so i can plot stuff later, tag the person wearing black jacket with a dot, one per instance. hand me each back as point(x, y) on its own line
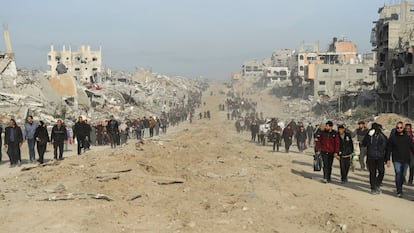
point(13, 140)
point(58, 137)
point(399, 146)
point(41, 137)
point(81, 131)
point(287, 135)
point(113, 130)
point(346, 148)
point(301, 136)
point(376, 143)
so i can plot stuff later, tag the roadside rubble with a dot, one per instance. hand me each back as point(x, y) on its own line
point(124, 94)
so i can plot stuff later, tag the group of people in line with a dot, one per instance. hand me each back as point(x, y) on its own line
point(85, 133)
point(376, 151)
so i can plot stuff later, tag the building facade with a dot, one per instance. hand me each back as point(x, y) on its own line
point(393, 40)
point(339, 79)
point(84, 64)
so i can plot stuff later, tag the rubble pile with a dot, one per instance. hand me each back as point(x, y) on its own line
point(123, 95)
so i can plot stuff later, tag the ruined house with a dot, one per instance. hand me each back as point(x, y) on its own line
point(278, 72)
point(253, 69)
point(393, 40)
point(337, 71)
point(84, 64)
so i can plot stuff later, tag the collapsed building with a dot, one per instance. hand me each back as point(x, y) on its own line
point(337, 71)
point(393, 40)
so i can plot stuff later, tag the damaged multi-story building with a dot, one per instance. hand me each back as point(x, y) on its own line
point(279, 69)
point(253, 69)
point(340, 71)
point(268, 71)
point(393, 40)
point(84, 64)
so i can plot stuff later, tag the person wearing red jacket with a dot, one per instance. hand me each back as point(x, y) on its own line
point(327, 144)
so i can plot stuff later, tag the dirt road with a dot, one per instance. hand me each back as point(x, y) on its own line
point(199, 177)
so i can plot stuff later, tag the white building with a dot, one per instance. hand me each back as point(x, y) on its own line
point(84, 64)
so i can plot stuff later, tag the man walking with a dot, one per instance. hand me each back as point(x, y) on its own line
point(42, 138)
point(399, 146)
point(346, 148)
point(29, 131)
point(287, 136)
point(113, 131)
point(58, 138)
point(376, 143)
point(408, 129)
point(13, 140)
point(360, 132)
point(327, 144)
point(81, 132)
point(309, 131)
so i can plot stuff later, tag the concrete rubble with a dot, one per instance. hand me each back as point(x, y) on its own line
point(48, 98)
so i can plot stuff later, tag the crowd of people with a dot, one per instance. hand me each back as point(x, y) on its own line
point(85, 133)
point(376, 150)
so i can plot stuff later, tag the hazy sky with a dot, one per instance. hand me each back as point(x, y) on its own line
point(209, 38)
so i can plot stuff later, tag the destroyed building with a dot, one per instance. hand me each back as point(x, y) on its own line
point(279, 70)
point(253, 69)
point(393, 41)
point(339, 71)
point(84, 64)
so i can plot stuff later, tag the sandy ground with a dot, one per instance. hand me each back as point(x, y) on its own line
point(199, 177)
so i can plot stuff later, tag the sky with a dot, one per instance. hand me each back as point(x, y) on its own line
point(190, 38)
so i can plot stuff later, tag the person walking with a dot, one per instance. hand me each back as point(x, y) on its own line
point(309, 131)
point(42, 138)
point(29, 131)
point(113, 131)
point(408, 129)
point(152, 125)
point(327, 144)
point(93, 135)
point(254, 130)
point(400, 147)
point(13, 140)
point(276, 138)
point(301, 137)
point(346, 148)
point(287, 135)
point(146, 127)
point(81, 130)
point(99, 133)
point(58, 137)
point(376, 143)
point(360, 133)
